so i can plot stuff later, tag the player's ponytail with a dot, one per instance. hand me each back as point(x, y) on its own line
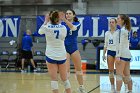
point(127, 22)
point(54, 17)
point(75, 19)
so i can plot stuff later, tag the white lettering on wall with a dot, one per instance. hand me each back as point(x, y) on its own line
point(12, 25)
point(1, 28)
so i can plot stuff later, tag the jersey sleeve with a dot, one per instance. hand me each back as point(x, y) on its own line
point(76, 26)
point(42, 29)
point(118, 44)
point(106, 40)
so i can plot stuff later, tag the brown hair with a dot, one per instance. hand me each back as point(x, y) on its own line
point(127, 22)
point(75, 19)
point(54, 17)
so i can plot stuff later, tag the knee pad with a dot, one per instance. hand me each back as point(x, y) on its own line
point(118, 77)
point(111, 74)
point(54, 85)
point(127, 79)
point(79, 73)
point(67, 84)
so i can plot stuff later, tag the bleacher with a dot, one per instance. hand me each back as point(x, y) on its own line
point(39, 46)
point(10, 56)
point(8, 52)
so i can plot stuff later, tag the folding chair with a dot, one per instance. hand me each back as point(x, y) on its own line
point(38, 58)
point(4, 58)
point(12, 60)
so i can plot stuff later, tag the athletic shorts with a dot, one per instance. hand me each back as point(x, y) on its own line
point(27, 54)
point(49, 60)
point(125, 59)
point(71, 48)
point(111, 53)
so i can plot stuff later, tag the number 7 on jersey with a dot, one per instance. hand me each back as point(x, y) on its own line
point(57, 34)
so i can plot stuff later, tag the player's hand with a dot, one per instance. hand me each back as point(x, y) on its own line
point(62, 15)
point(47, 18)
point(104, 58)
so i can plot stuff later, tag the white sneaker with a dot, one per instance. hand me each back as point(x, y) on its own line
point(129, 92)
point(22, 71)
point(35, 70)
point(113, 90)
point(81, 90)
point(117, 91)
point(126, 88)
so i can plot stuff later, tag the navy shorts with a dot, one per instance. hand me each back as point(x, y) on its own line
point(111, 53)
point(125, 59)
point(71, 48)
point(49, 60)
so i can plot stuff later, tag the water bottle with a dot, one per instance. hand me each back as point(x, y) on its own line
point(29, 68)
point(37, 41)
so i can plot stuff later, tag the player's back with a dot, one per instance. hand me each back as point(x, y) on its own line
point(55, 36)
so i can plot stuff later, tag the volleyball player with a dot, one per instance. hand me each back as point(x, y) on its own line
point(72, 48)
point(55, 34)
point(123, 55)
point(110, 47)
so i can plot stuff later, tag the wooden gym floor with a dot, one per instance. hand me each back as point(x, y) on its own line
point(16, 82)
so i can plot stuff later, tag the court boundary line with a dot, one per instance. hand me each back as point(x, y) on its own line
point(93, 89)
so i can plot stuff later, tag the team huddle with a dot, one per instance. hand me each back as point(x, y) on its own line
point(61, 31)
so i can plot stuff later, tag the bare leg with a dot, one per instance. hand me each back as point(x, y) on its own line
point(76, 58)
point(63, 74)
point(110, 61)
point(33, 63)
point(128, 76)
point(119, 74)
point(22, 63)
point(68, 65)
point(52, 69)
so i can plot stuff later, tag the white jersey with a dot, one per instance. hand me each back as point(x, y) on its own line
point(123, 44)
point(110, 40)
point(55, 36)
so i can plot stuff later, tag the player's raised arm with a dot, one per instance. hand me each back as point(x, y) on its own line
point(43, 28)
point(70, 25)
